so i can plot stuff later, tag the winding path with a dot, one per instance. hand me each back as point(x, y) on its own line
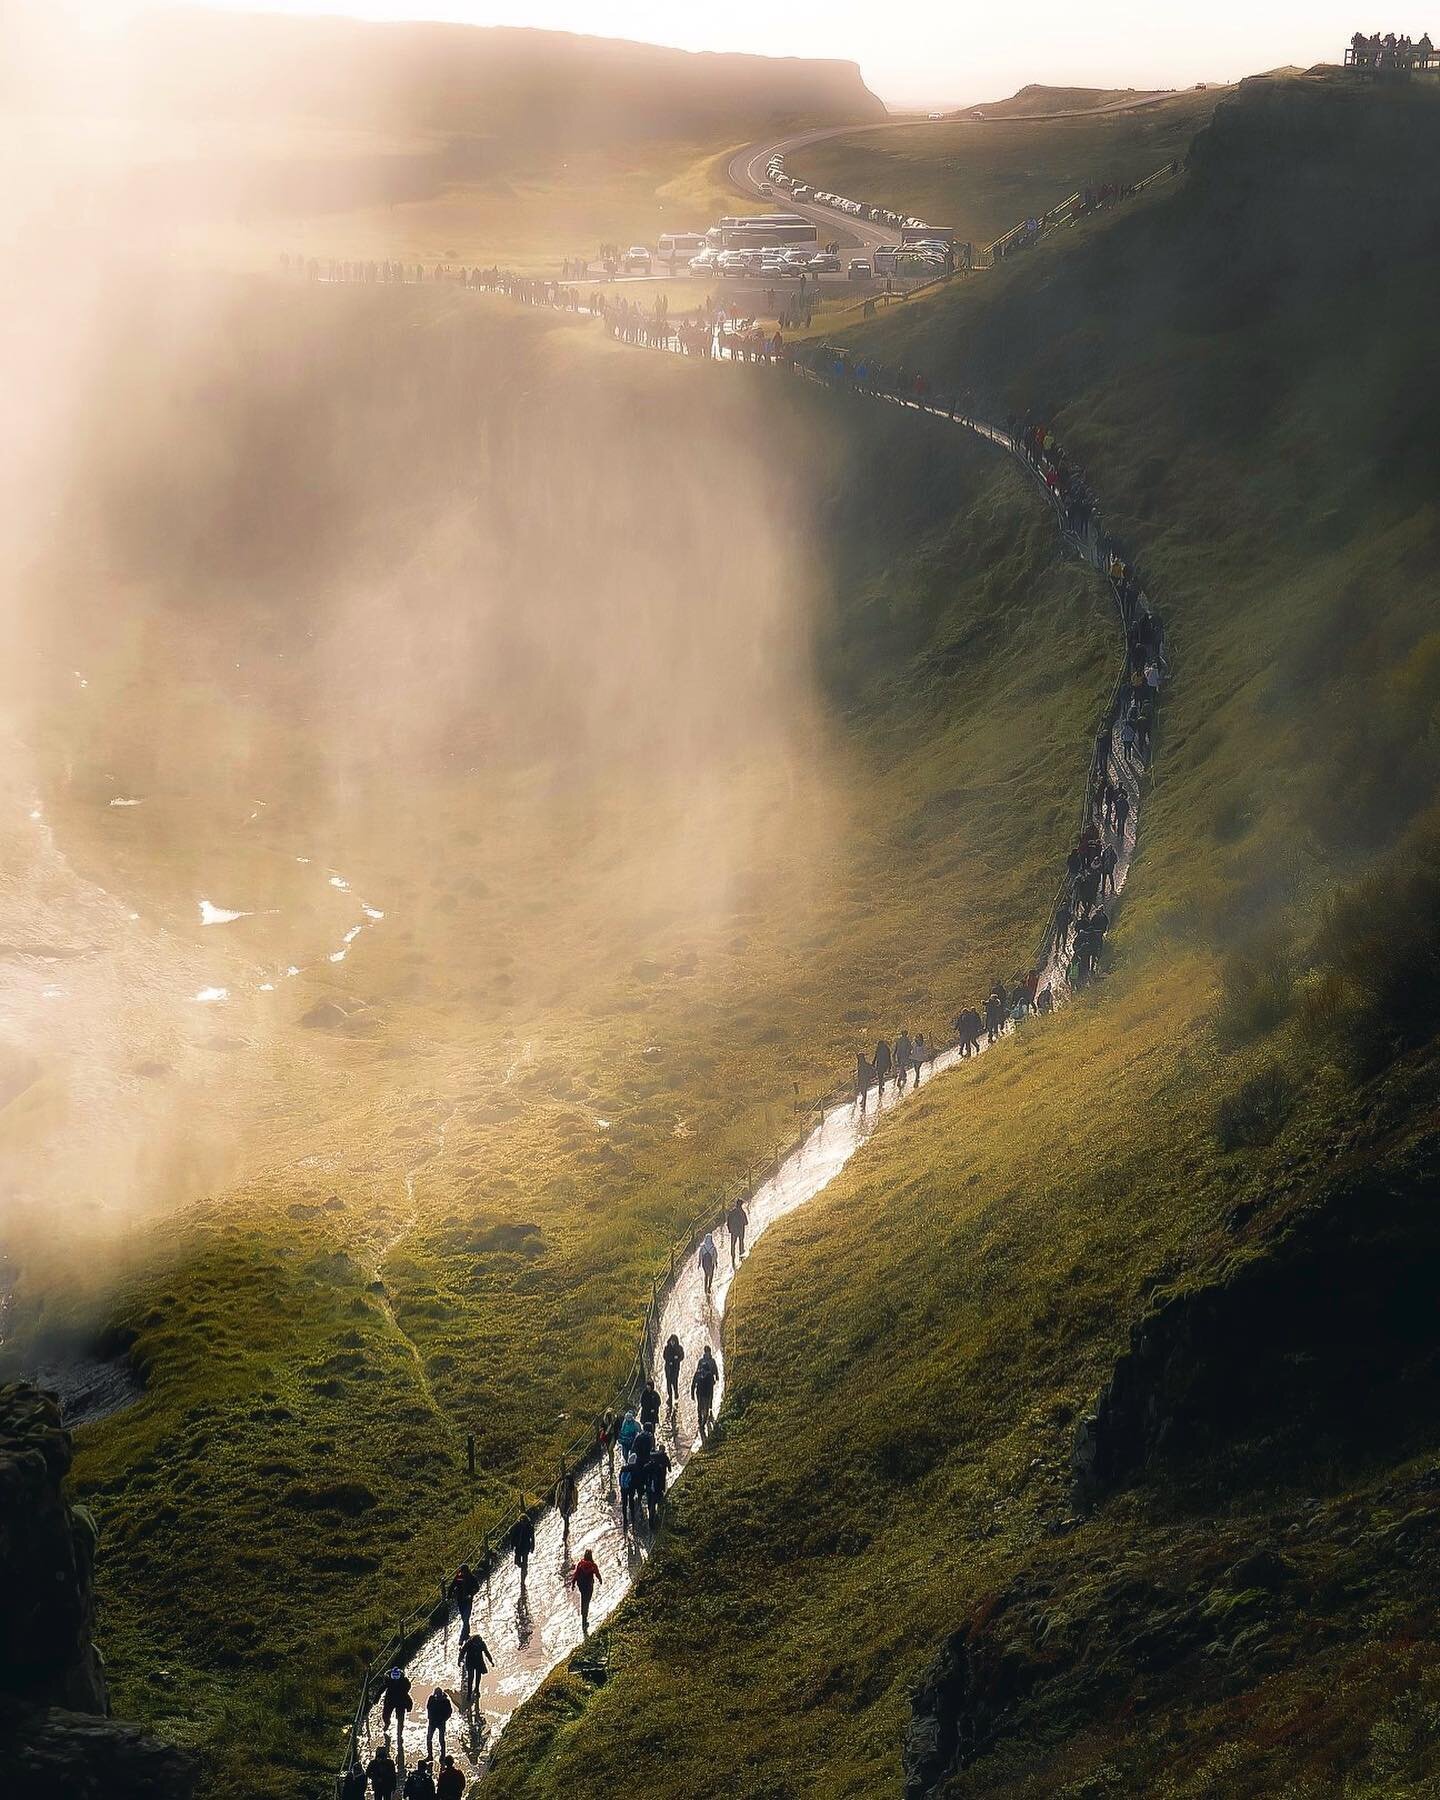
point(532, 1626)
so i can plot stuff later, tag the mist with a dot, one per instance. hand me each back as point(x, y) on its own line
point(382, 664)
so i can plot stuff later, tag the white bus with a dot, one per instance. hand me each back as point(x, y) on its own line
point(757, 231)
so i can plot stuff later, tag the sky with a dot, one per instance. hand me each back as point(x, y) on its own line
point(918, 52)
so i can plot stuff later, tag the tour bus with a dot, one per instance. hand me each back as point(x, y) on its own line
point(678, 246)
point(758, 230)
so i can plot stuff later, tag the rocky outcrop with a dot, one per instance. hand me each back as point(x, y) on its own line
point(1317, 1342)
point(967, 1692)
point(53, 1702)
point(46, 1557)
point(84, 1757)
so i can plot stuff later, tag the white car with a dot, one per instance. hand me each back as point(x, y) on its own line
point(705, 260)
point(637, 257)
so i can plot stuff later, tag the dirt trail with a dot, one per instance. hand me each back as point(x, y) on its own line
point(377, 1267)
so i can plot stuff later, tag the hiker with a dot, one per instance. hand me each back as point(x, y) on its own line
point(475, 1659)
point(968, 1038)
point(1122, 810)
point(383, 1775)
point(882, 1062)
point(702, 1388)
point(709, 1256)
point(864, 1075)
point(1045, 1002)
point(1108, 860)
point(522, 1540)
point(650, 1404)
point(463, 1589)
point(396, 1701)
point(585, 1578)
point(920, 1055)
point(629, 1431)
point(451, 1784)
point(994, 1017)
point(657, 1478)
point(628, 1495)
point(904, 1050)
point(1127, 740)
point(438, 1713)
point(566, 1498)
point(354, 1783)
point(674, 1355)
point(1064, 919)
point(606, 1430)
point(737, 1223)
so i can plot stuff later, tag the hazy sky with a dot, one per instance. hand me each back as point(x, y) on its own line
point(938, 50)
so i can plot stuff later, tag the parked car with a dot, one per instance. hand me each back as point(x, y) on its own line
point(706, 260)
point(825, 264)
point(637, 257)
point(860, 269)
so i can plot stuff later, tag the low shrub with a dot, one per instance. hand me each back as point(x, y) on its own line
point(1257, 1109)
point(1375, 989)
point(1256, 987)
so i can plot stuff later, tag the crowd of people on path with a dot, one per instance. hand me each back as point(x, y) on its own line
point(639, 1462)
point(901, 1062)
point(384, 1776)
point(1391, 52)
point(633, 1444)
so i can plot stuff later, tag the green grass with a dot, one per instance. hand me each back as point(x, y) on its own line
point(982, 178)
point(794, 825)
point(919, 1343)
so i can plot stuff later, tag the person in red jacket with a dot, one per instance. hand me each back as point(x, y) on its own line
point(585, 1578)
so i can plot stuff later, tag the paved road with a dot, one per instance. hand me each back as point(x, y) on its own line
point(748, 172)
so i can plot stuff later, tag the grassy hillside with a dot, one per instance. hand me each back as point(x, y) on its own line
point(982, 178)
point(1197, 1206)
point(676, 780)
point(1035, 100)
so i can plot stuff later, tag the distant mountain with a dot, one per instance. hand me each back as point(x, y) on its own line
point(1039, 101)
point(529, 86)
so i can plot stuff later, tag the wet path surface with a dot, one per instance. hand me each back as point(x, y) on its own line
point(534, 1626)
point(531, 1626)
